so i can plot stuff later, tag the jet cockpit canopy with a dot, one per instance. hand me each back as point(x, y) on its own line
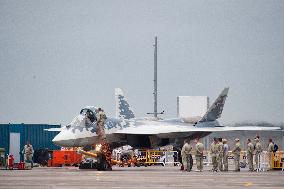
point(89, 112)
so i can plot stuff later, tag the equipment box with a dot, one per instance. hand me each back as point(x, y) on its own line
point(64, 157)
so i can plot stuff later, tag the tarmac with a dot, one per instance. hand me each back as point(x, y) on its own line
point(137, 177)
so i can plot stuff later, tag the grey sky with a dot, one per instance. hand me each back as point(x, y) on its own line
point(58, 56)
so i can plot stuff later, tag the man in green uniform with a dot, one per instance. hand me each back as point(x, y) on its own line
point(270, 150)
point(250, 149)
point(214, 150)
point(236, 152)
point(186, 156)
point(225, 154)
point(220, 157)
point(258, 150)
point(28, 152)
point(199, 148)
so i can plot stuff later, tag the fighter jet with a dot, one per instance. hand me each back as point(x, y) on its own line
point(148, 132)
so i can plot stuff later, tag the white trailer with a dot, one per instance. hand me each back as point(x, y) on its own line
point(192, 106)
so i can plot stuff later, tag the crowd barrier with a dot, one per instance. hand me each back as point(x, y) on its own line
point(275, 161)
point(158, 157)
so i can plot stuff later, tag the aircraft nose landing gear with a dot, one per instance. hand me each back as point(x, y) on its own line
point(103, 164)
point(105, 160)
point(102, 161)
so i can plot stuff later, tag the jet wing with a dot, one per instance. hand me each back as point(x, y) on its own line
point(250, 128)
point(166, 129)
point(155, 129)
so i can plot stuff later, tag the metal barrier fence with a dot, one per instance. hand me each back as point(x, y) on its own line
point(158, 157)
point(277, 160)
point(207, 159)
point(267, 160)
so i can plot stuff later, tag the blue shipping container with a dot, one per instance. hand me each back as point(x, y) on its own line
point(34, 133)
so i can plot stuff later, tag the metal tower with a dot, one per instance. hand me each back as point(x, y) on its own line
point(155, 77)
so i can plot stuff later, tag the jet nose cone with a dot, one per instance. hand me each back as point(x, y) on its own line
point(57, 140)
point(64, 139)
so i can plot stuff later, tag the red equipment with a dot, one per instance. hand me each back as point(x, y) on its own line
point(64, 157)
point(21, 165)
point(10, 162)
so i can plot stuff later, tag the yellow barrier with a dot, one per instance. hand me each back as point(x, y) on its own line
point(149, 157)
point(155, 157)
point(277, 160)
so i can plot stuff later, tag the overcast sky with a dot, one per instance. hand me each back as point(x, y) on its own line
point(59, 56)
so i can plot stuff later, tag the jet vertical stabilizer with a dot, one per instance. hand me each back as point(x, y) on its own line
point(122, 107)
point(216, 108)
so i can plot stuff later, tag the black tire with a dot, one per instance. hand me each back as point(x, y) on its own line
point(102, 164)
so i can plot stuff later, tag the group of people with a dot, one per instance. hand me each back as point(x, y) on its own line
point(254, 150)
point(186, 154)
point(219, 151)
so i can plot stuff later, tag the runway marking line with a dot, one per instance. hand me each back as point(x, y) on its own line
point(248, 184)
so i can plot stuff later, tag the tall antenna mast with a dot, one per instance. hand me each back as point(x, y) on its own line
point(155, 93)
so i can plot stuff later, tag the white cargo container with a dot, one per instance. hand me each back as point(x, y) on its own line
point(192, 106)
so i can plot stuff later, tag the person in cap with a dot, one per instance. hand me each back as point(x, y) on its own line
point(28, 152)
point(270, 151)
point(225, 154)
point(250, 149)
point(254, 142)
point(186, 156)
point(199, 148)
point(258, 150)
point(236, 152)
point(214, 150)
point(220, 157)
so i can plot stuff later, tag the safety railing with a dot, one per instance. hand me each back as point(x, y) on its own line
point(277, 160)
point(267, 160)
point(149, 157)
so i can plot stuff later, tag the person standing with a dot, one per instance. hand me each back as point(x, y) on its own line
point(220, 157)
point(28, 152)
point(101, 118)
point(186, 156)
point(258, 150)
point(250, 149)
point(105, 148)
point(236, 152)
point(214, 150)
point(199, 148)
point(177, 156)
point(225, 154)
point(270, 151)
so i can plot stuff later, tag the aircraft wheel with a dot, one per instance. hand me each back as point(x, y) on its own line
point(103, 164)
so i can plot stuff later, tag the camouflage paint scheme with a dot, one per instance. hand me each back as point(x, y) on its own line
point(143, 132)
